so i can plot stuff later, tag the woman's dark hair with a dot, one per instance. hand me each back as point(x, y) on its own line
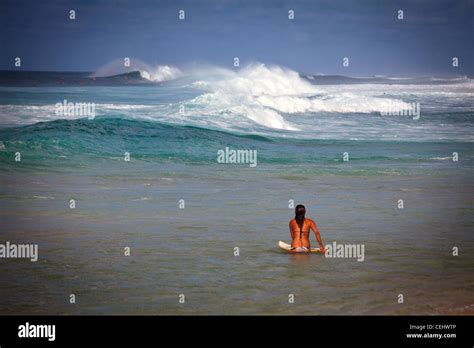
point(300, 211)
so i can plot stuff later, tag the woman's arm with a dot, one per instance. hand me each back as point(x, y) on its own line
point(317, 235)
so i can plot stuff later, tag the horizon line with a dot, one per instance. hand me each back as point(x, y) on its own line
point(381, 76)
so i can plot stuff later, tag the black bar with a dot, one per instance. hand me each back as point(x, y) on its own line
point(326, 330)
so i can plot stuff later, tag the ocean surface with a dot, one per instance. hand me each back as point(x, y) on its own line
point(171, 124)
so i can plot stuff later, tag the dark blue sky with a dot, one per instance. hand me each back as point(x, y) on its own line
point(323, 32)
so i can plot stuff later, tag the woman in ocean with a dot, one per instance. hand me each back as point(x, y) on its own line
point(299, 231)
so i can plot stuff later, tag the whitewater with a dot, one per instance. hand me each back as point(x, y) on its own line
point(261, 99)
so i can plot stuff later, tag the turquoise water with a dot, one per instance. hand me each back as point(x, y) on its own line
point(300, 136)
point(82, 143)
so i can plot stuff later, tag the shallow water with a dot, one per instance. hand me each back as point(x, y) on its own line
point(191, 251)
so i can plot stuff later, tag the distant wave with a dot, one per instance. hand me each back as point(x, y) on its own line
point(262, 94)
point(320, 79)
point(451, 79)
point(255, 99)
point(142, 70)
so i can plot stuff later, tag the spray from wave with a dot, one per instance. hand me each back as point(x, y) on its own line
point(159, 73)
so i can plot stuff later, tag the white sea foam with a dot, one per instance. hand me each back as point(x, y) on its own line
point(161, 73)
point(27, 114)
point(263, 94)
point(441, 158)
point(260, 99)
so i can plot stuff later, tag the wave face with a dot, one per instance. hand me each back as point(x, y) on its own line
point(72, 145)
